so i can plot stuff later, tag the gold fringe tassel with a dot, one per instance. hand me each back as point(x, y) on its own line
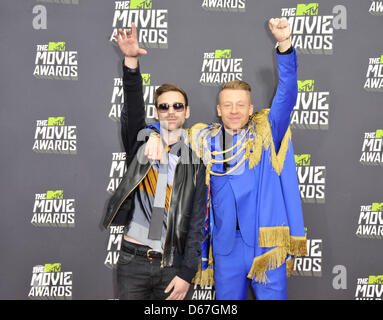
point(262, 128)
point(289, 267)
point(274, 236)
point(280, 237)
point(205, 277)
point(285, 244)
point(268, 261)
point(298, 246)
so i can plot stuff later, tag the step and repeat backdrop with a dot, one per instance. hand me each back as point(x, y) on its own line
point(62, 155)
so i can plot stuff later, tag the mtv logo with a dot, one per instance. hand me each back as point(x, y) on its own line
point(379, 134)
point(58, 194)
point(376, 206)
point(375, 280)
point(381, 58)
point(305, 232)
point(306, 85)
point(307, 9)
point(222, 54)
point(145, 79)
point(56, 46)
point(56, 121)
point(302, 159)
point(54, 267)
point(140, 4)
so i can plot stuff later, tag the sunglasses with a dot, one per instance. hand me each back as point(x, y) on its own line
point(177, 106)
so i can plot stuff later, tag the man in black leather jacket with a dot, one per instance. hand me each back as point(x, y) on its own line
point(150, 267)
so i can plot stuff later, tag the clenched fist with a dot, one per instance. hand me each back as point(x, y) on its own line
point(281, 31)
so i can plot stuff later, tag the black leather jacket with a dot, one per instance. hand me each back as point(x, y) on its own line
point(182, 247)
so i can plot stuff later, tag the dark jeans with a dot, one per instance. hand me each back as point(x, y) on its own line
point(139, 278)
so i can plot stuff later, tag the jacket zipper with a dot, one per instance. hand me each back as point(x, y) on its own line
point(128, 195)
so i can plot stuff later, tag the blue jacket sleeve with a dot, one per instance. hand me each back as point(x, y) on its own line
point(285, 96)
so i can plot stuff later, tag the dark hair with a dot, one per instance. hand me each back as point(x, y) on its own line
point(166, 87)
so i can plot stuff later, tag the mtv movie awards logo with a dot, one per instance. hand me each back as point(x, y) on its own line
point(370, 222)
point(312, 32)
point(117, 99)
point(152, 24)
point(50, 209)
point(311, 110)
point(311, 264)
point(50, 282)
point(224, 5)
point(376, 8)
point(53, 136)
point(55, 61)
point(374, 74)
point(114, 245)
point(219, 67)
point(117, 170)
point(372, 148)
point(370, 288)
point(311, 179)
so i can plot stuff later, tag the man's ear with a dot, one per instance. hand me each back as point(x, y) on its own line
point(251, 109)
point(156, 113)
point(219, 110)
point(187, 113)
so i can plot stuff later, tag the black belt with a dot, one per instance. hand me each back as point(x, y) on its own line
point(149, 253)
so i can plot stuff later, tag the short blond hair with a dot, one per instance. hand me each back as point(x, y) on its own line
point(236, 85)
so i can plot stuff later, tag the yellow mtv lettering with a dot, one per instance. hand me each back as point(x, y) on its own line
point(306, 85)
point(222, 54)
point(140, 4)
point(56, 46)
point(307, 9)
point(54, 267)
point(302, 159)
point(375, 280)
point(58, 194)
point(379, 134)
point(146, 79)
point(56, 121)
point(376, 206)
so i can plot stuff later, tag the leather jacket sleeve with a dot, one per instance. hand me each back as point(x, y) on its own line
point(133, 111)
point(192, 253)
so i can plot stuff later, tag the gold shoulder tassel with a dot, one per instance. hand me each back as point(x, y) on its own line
point(261, 125)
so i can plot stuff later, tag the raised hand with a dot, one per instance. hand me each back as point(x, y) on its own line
point(281, 31)
point(128, 43)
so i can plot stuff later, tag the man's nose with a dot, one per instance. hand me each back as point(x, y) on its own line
point(234, 109)
point(171, 110)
